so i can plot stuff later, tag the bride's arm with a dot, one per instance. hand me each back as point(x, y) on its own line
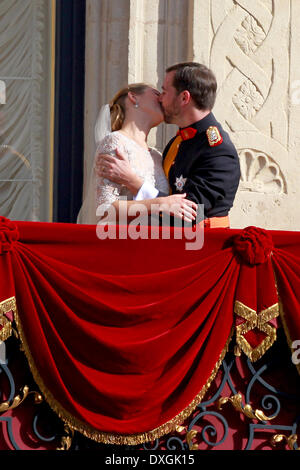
point(118, 170)
point(109, 195)
point(106, 192)
point(175, 204)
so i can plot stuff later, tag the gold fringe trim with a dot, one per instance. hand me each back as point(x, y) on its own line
point(259, 321)
point(5, 307)
point(112, 438)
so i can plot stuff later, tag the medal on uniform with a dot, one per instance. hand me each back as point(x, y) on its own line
point(180, 182)
point(214, 137)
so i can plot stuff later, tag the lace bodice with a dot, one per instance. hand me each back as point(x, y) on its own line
point(147, 164)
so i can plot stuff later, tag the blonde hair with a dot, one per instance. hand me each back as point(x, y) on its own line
point(117, 104)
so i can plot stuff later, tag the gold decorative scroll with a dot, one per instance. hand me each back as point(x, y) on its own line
point(67, 438)
point(291, 440)
point(258, 321)
point(236, 401)
point(6, 306)
point(189, 439)
point(18, 399)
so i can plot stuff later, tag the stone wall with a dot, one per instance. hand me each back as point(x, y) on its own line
point(252, 46)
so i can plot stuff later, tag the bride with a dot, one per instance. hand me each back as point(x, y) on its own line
point(123, 126)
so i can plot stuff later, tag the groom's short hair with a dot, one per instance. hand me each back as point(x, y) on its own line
point(199, 80)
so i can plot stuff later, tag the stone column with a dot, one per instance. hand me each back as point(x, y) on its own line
point(106, 62)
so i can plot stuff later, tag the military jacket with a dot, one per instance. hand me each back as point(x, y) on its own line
point(207, 170)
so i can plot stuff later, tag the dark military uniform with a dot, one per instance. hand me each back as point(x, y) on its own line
point(208, 174)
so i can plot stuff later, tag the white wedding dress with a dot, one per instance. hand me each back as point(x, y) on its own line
point(147, 164)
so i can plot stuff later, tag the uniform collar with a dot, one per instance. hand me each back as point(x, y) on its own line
point(203, 124)
point(187, 133)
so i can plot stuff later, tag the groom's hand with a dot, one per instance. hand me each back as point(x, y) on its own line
point(118, 170)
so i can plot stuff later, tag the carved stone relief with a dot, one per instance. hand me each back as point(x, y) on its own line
point(249, 49)
point(259, 173)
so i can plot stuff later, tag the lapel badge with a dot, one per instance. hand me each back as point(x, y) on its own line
point(180, 182)
point(214, 136)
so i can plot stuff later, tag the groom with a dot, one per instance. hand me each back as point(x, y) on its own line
point(200, 160)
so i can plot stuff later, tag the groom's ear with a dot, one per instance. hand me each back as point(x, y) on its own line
point(185, 97)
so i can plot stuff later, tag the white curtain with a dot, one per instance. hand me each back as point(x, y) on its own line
point(24, 109)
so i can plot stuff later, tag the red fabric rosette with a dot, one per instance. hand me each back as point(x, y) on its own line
point(253, 245)
point(9, 234)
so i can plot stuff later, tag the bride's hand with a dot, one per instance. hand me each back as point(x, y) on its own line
point(118, 170)
point(179, 206)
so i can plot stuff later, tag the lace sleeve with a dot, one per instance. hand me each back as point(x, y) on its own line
point(106, 191)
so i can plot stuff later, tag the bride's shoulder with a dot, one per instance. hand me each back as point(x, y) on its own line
point(110, 140)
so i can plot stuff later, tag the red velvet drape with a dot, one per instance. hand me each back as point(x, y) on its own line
point(124, 336)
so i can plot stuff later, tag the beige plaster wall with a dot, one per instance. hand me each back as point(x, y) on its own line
point(252, 46)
